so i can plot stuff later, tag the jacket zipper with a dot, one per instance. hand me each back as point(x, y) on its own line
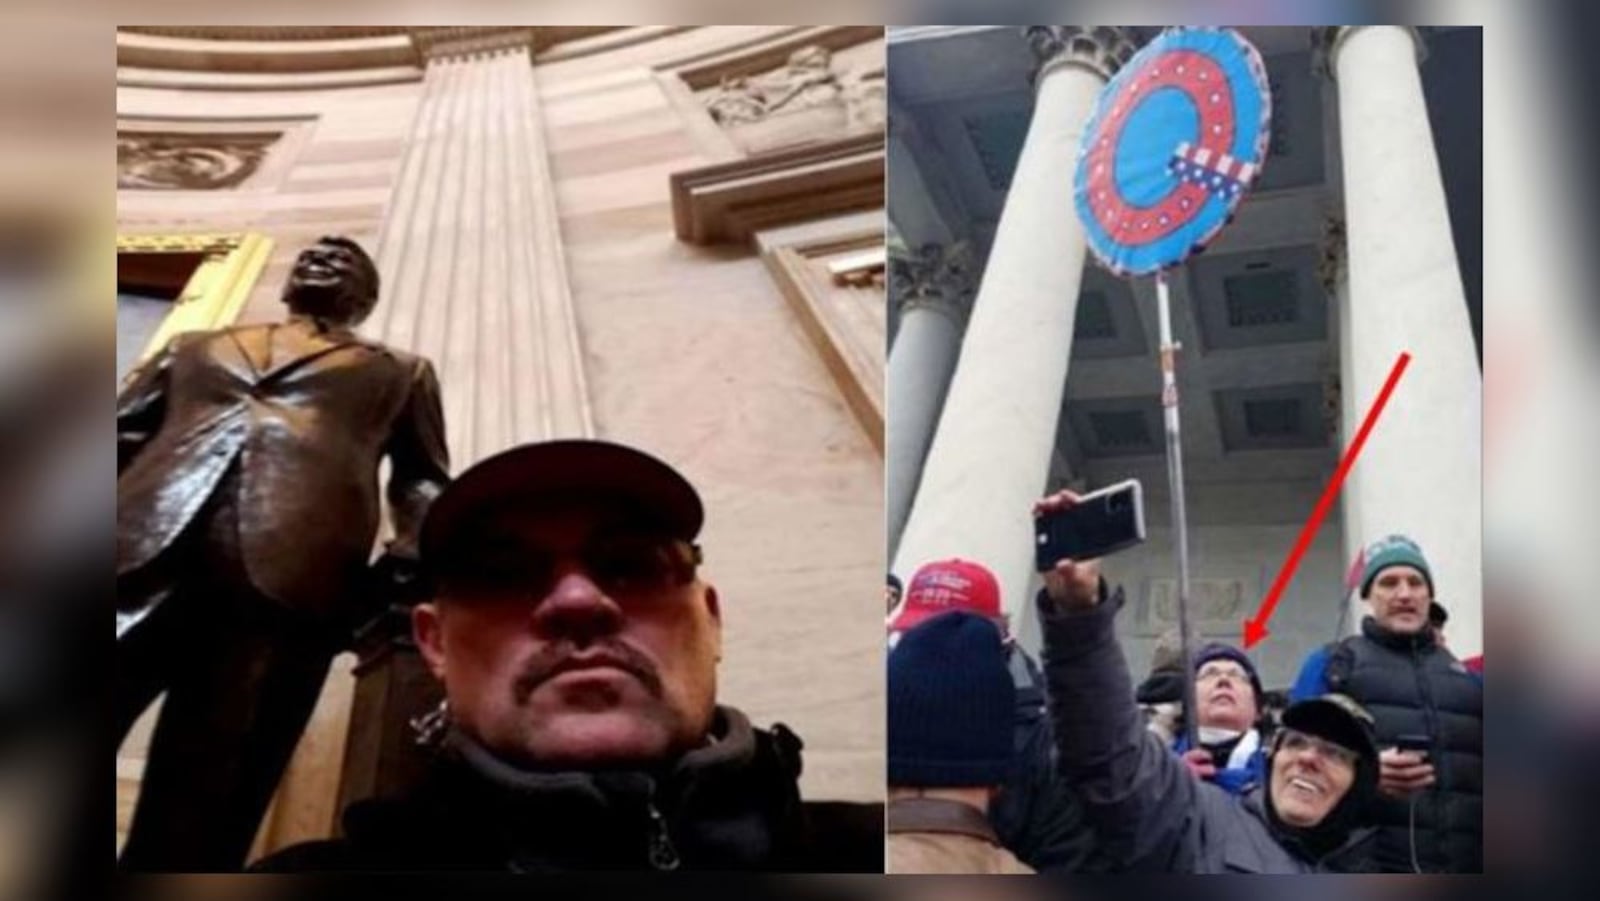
point(1430, 719)
point(663, 854)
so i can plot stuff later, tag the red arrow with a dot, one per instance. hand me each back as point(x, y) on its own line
point(1255, 628)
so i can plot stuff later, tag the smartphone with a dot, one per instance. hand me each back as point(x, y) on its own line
point(1101, 523)
point(1419, 743)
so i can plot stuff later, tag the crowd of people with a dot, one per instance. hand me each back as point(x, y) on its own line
point(1375, 764)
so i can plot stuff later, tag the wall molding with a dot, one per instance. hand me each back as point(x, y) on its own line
point(729, 202)
point(831, 274)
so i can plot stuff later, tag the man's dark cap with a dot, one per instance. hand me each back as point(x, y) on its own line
point(562, 472)
point(1338, 719)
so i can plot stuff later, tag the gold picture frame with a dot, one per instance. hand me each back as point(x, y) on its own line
point(219, 286)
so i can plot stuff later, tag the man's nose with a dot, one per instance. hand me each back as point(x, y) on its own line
point(1310, 757)
point(577, 609)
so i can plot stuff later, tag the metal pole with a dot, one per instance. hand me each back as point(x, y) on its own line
point(1180, 524)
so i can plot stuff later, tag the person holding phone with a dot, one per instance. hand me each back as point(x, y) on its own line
point(1151, 812)
point(1428, 711)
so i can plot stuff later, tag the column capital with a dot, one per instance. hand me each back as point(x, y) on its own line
point(934, 276)
point(1328, 40)
point(445, 42)
point(1102, 49)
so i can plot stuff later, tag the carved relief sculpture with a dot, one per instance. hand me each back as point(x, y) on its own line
point(176, 161)
point(808, 81)
point(866, 99)
point(1215, 605)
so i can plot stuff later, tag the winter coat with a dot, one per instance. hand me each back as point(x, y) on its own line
point(731, 805)
point(1150, 812)
point(1412, 686)
point(934, 835)
point(1036, 815)
point(1237, 780)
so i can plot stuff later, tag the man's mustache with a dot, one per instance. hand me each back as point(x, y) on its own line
point(561, 656)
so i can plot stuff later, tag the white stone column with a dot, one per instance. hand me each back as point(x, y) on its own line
point(934, 289)
point(471, 257)
point(1421, 471)
point(474, 277)
point(990, 456)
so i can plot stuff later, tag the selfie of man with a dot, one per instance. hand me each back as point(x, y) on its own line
point(1156, 811)
point(578, 645)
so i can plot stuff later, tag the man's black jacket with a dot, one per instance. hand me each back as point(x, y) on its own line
point(732, 805)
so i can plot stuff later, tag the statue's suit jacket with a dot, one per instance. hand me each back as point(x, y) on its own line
point(306, 416)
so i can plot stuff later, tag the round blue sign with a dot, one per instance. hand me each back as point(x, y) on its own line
point(1175, 140)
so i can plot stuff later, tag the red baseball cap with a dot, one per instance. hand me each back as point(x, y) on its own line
point(947, 585)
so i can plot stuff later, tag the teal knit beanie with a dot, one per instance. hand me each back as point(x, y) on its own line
point(1393, 550)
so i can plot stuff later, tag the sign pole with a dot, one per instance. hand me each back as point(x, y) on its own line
point(1180, 523)
point(1155, 182)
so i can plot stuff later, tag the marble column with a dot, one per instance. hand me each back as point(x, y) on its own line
point(1421, 471)
point(474, 278)
point(470, 252)
point(990, 456)
point(933, 288)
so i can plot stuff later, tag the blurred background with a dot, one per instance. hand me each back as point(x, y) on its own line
point(1541, 323)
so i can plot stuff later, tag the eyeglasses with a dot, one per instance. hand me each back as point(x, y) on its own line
point(1212, 672)
point(622, 566)
point(1294, 741)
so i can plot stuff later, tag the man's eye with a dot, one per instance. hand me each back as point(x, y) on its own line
point(630, 565)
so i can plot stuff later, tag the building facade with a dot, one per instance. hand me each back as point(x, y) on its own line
point(1018, 365)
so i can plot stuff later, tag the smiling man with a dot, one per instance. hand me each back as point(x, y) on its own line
point(1431, 797)
point(578, 646)
point(248, 462)
point(1153, 814)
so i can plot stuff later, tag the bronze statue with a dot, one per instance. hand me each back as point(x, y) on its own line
point(247, 509)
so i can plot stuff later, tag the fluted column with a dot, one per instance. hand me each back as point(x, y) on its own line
point(990, 456)
point(474, 278)
point(474, 272)
point(1421, 470)
point(933, 288)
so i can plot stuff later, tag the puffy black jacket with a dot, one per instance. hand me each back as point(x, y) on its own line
point(732, 805)
point(1411, 686)
point(1036, 815)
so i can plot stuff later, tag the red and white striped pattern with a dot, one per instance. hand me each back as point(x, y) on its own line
point(1221, 163)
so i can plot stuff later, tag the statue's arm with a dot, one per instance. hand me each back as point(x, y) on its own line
point(419, 460)
point(142, 404)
